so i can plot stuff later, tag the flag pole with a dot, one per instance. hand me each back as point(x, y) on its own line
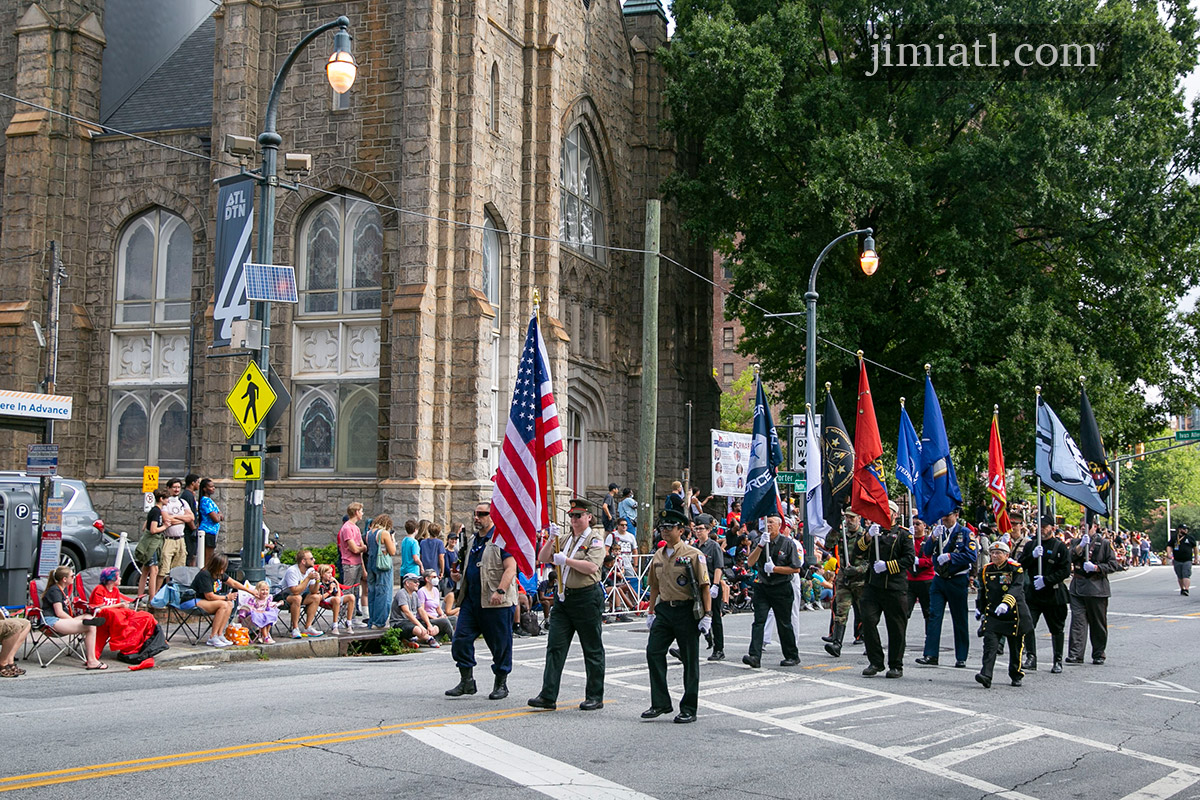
point(845, 544)
point(553, 509)
point(1038, 391)
point(875, 538)
point(942, 535)
point(912, 512)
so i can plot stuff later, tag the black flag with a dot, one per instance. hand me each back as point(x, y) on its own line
point(1092, 447)
point(839, 464)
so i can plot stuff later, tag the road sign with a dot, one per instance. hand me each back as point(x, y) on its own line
point(49, 553)
point(149, 479)
point(799, 449)
point(796, 479)
point(250, 399)
point(247, 468)
point(283, 399)
point(147, 501)
point(54, 513)
point(1187, 436)
point(42, 460)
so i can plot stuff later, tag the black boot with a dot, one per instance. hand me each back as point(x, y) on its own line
point(834, 648)
point(499, 688)
point(1030, 664)
point(1057, 640)
point(466, 683)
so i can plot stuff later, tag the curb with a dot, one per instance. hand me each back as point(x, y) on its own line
point(321, 647)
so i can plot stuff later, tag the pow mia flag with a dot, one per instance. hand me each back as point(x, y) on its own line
point(235, 220)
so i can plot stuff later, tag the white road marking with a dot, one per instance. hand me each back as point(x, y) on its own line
point(521, 766)
point(961, 754)
point(770, 680)
point(1164, 787)
point(1152, 616)
point(943, 737)
point(830, 713)
point(1136, 572)
point(1176, 699)
point(827, 701)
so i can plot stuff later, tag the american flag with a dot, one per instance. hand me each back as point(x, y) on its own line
point(519, 508)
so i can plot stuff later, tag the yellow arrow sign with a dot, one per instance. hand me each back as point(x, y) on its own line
point(247, 468)
point(250, 399)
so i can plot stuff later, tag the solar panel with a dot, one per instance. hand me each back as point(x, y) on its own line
point(271, 283)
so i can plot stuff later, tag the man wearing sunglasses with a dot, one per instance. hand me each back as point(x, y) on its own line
point(579, 608)
point(487, 592)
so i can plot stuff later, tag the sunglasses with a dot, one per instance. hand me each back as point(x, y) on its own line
point(576, 514)
point(483, 513)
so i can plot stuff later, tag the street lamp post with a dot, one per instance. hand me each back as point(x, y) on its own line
point(1167, 502)
point(341, 71)
point(869, 262)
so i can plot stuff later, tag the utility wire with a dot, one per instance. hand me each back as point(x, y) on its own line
point(422, 215)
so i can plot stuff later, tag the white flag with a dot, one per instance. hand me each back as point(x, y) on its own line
point(814, 503)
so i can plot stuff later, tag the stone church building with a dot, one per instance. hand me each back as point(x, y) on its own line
point(488, 149)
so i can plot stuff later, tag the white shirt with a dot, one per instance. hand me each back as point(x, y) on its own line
point(292, 577)
point(175, 506)
point(627, 544)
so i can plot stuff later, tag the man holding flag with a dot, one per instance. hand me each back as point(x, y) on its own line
point(506, 530)
point(886, 591)
point(853, 563)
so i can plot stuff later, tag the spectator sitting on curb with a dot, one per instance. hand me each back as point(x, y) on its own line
point(429, 605)
point(331, 593)
point(13, 632)
point(300, 588)
point(402, 615)
point(210, 585)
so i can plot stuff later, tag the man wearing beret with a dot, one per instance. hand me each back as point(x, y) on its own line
point(579, 608)
point(679, 612)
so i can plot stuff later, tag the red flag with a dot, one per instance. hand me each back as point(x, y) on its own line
point(868, 496)
point(519, 508)
point(997, 482)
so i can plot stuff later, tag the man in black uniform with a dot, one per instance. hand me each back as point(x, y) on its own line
point(716, 564)
point(1092, 559)
point(886, 594)
point(678, 584)
point(1183, 552)
point(1001, 605)
point(1047, 565)
point(579, 608)
point(777, 560)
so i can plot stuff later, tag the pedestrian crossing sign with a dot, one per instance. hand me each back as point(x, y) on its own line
point(247, 468)
point(250, 399)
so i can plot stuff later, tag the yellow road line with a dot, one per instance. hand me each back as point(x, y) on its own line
point(75, 774)
point(835, 669)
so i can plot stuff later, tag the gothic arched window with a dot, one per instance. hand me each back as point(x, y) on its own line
point(581, 223)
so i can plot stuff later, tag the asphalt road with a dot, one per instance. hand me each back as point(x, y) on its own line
point(380, 727)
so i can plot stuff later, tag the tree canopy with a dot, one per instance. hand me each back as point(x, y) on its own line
point(1029, 231)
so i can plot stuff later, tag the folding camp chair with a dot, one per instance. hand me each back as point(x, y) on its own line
point(194, 621)
point(325, 606)
point(44, 634)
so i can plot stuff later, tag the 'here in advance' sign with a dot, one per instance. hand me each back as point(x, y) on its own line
point(38, 406)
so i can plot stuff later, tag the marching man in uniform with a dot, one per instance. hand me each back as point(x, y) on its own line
point(579, 608)
point(679, 612)
point(1001, 605)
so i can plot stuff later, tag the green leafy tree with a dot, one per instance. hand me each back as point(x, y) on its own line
point(737, 403)
point(1030, 231)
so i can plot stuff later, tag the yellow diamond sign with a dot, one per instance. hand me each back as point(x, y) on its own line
point(250, 399)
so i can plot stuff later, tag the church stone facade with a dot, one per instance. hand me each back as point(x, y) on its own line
point(488, 151)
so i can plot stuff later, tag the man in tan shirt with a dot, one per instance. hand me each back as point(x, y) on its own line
point(678, 582)
point(577, 555)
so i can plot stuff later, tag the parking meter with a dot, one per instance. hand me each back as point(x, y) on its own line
point(17, 545)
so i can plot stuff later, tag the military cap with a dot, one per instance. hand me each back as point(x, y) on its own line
point(895, 509)
point(579, 504)
point(704, 519)
point(999, 545)
point(669, 517)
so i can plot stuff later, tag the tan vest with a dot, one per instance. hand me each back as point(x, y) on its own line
point(591, 549)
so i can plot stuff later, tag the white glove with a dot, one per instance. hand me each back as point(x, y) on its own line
point(943, 558)
point(978, 615)
point(1006, 538)
point(1001, 610)
point(714, 590)
point(560, 559)
point(705, 624)
point(649, 621)
point(1039, 582)
point(769, 567)
point(873, 530)
point(1085, 540)
point(554, 529)
point(938, 531)
point(1089, 566)
point(1038, 551)
point(881, 566)
point(764, 540)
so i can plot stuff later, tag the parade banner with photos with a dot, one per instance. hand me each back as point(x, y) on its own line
point(730, 462)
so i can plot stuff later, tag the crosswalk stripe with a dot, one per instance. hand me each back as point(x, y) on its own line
point(830, 713)
point(1164, 787)
point(961, 754)
point(822, 703)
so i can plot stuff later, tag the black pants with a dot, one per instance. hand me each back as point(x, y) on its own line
point(718, 627)
point(579, 612)
point(889, 604)
point(674, 624)
point(1056, 620)
point(918, 590)
point(777, 597)
point(494, 624)
point(1088, 614)
point(991, 648)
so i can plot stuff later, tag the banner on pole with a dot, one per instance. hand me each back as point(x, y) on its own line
point(730, 460)
point(235, 220)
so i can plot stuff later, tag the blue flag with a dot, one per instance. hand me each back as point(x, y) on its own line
point(762, 496)
point(939, 485)
point(908, 457)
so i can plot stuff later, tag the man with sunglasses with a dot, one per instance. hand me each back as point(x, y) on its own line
point(487, 592)
point(678, 581)
point(579, 608)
